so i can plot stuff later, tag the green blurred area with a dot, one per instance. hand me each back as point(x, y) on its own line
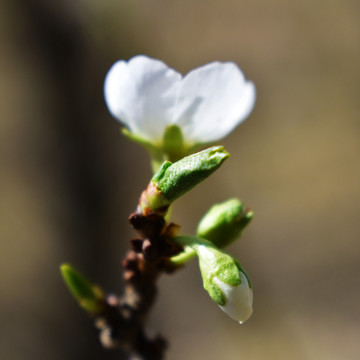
point(68, 179)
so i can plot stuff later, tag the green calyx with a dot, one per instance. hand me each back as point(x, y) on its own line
point(174, 180)
point(213, 262)
point(172, 147)
point(173, 143)
point(224, 222)
point(88, 296)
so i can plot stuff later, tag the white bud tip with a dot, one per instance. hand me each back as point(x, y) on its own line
point(239, 299)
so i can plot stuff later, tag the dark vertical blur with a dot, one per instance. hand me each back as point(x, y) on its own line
point(67, 162)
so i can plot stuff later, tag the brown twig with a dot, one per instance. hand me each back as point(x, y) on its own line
point(122, 322)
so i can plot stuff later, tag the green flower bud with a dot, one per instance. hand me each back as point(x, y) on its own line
point(89, 297)
point(224, 222)
point(175, 179)
point(223, 278)
point(172, 147)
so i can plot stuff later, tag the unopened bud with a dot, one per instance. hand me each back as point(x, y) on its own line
point(224, 222)
point(175, 179)
point(223, 278)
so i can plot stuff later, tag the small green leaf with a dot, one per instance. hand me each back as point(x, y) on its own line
point(89, 297)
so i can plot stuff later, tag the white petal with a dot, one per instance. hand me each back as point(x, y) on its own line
point(212, 101)
point(141, 94)
point(238, 299)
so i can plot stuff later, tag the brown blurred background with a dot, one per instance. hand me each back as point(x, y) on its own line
point(68, 179)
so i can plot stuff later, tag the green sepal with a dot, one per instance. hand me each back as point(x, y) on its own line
point(174, 147)
point(161, 172)
point(244, 272)
point(215, 293)
point(229, 273)
point(173, 143)
point(152, 148)
point(171, 148)
point(88, 296)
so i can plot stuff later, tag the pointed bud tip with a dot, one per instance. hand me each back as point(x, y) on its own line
point(249, 214)
point(218, 150)
point(239, 299)
point(89, 297)
point(216, 155)
point(65, 268)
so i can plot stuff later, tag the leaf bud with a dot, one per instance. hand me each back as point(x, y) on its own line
point(88, 296)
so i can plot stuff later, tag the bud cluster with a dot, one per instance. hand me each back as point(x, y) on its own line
point(157, 243)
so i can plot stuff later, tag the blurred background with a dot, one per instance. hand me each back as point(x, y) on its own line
point(68, 179)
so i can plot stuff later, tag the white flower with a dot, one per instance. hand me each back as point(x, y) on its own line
point(207, 104)
point(239, 299)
